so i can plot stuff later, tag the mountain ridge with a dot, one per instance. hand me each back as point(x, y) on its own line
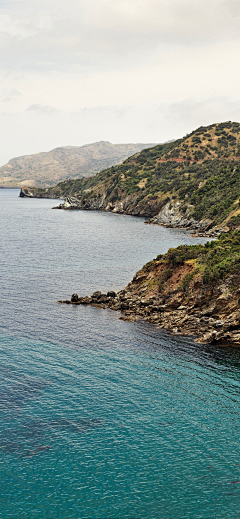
point(45, 169)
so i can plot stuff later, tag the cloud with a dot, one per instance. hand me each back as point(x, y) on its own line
point(101, 111)
point(7, 94)
point(120, 70)
point(57, 35)
point(44, 109)
point(202, 112)
point(176, 20)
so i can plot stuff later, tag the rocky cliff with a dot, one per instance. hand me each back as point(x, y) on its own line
point(191, 290)
point(168, 215)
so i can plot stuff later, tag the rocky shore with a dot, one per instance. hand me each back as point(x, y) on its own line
point(176, 300)
point(36, 192)
point(167, 215)
point(158, 212)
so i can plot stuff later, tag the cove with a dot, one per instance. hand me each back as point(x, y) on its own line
point(103, 418)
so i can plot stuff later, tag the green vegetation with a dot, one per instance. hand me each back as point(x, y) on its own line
point(201, 170)
point(217, 260)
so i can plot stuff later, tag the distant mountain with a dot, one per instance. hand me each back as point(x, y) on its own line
point(67, 162)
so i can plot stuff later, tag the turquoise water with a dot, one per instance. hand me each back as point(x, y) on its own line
point(101, 418)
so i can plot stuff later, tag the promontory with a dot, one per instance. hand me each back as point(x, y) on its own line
point(193, 182)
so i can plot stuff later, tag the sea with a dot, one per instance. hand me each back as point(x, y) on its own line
point(102, 418)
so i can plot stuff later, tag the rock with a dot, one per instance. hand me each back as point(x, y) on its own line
point(219, 323)
point(127, 318)
point(85, 300)
point(111, 293)
point(96, 295)
point(70, 203)
point(115, 307)
point(121, 293)
point(124, 306)
point(74, 298)
point(143, 302)
point(209, 313)
point(103, 299)
point(25, 192)
point(171, 216)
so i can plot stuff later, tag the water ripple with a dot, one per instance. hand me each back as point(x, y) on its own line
point(102, 418)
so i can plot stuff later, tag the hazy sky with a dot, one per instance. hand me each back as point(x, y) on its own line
point(80, 71)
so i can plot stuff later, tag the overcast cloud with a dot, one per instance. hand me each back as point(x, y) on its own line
point(79, 71)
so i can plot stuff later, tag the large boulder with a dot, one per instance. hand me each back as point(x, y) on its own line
point(111, 293)
point(97, 294)
point(74, 298)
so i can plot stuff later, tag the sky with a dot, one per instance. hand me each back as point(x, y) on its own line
point(79, 71)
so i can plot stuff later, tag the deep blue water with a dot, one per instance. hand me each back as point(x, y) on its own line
point(102, 418)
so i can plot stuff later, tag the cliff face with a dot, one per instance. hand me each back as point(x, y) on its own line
point(34, 192)
point(128, 205)
point(172, 215)
point(168, 215)
point(156, 210)
point(191, 290)
point(193, 182)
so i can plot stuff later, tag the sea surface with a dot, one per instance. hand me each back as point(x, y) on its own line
point(102, 418)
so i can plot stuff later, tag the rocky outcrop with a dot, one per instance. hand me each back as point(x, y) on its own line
point(72, 202)
point(171, 215)
point(159, 212)
point(130, 205)
point(208, 323)
point(177, 300)
point(34, 192)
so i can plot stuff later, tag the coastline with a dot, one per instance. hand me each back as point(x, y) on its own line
point(208, 314)
point(182, 320)
point(173, 297)
point(167, 215)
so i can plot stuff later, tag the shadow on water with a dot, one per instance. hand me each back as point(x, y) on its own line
point(17, 394)
point(161, 341)
point(31, 438)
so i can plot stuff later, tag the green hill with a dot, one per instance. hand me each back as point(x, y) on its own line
point(181, 183)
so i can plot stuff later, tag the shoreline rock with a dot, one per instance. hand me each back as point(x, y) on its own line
point(167, 215)
point(161, 213)
point(196, 320)
point(35, 192)
point(191, 290)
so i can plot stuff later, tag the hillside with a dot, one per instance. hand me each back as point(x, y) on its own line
point(191, 290)
point(48, 168)
point(193, 182)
